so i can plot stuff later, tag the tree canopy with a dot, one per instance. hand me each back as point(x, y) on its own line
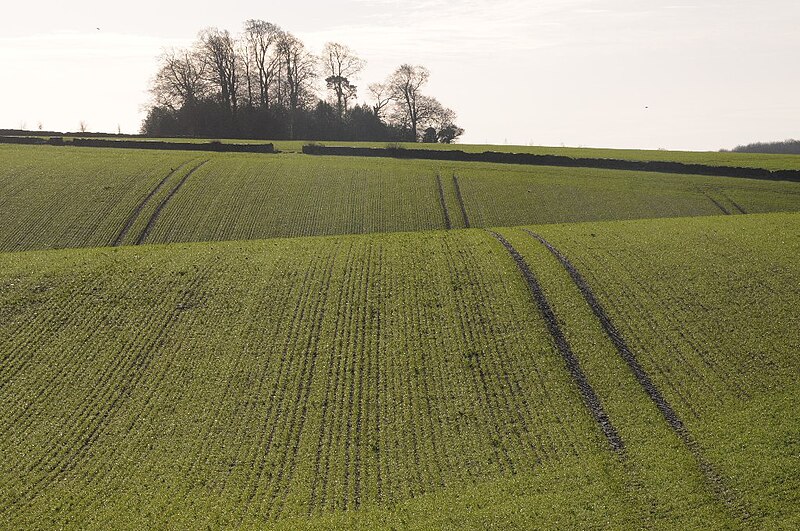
point(265, 83)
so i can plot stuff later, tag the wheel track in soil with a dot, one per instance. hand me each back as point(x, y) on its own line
point(734, 203)
point(447, 224)
point(590, 397)
point(157, 212)
point(461, 201)
point(138, 210)
point(672, 418)
point(719, 205)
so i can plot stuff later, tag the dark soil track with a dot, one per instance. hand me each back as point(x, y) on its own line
point(719, 205)
point(588, 393)
point(669, 414)
point(447, 224)
point(151, 222)
point(138, 210)
point(734, 203)
point(460, 201)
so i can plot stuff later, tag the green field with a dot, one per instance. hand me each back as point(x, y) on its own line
point(710, 158)
point(56, 197)
point(402, 380)
point(217, 340)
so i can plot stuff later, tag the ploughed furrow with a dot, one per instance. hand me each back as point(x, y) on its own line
point(670, 415)
point(443, 203)
point(118, 381)
point(297, 420)
point(278, 396)
point(588, 393)
point(487, 409)
point(322, 456)
point(498, 363)
point(460, 201)
point(138, 210)
point(718, 204)
point(714, 376)
point(157, 212)
point(356, 353)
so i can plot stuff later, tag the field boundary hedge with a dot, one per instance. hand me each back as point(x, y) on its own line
point(556, 160)
point(141, 144)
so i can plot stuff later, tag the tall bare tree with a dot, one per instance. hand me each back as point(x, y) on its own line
point(220, 53)
point(298, 68)
point(181, 78)
point(261, 39)
point(342, 65)
point(381, 96)
point(406, 88)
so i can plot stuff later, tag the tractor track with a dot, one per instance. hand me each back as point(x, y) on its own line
point(734, 203)
point(670, 415)
point(447, 224)
point(461, 201)
point(157, 212)
point(587, 392)
point(138, 210)
point(719, 205)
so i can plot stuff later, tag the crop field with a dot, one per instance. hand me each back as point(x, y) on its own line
point(56, 197)
point(430, 379)
point(711, 158)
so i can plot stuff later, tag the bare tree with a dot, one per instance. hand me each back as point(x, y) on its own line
point(181, 78)
point(220, 53)
point(342, 65)
point(298, 67)
point(406, 84)
point(83, 126)
point(261, 39)
point(381, 95)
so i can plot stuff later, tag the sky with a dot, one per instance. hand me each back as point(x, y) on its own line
point(680, 74)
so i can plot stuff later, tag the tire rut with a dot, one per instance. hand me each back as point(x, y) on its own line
point(719, 205)
point(587, 392)
point(734, 203)
point(643, 378)
point(447, 224)
point(461, 201)
point(152, 221)
point(138, 210)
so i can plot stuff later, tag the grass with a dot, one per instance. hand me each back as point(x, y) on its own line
point(400, 380)
point(55, 197)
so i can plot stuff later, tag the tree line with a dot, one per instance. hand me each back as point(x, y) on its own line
point(265, 83)
point(784, 147)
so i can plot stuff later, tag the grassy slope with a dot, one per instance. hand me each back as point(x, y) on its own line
point(239, 196)
point(123, 405)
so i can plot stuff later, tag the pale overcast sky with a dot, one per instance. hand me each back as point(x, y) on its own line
point(675, 74)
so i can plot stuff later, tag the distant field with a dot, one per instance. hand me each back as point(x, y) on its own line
point(711, 158)
point(55, 197)
point(403, 380)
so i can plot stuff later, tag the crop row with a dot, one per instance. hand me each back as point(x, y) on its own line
point(284, 378)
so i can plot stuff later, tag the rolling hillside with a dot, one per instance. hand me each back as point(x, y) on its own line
point(57, 197)
point(632, 374)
